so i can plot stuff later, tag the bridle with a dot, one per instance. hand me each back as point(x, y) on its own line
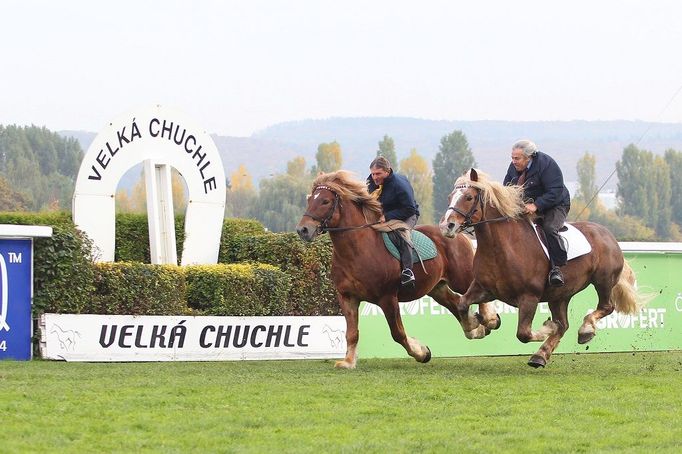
point(322, 227)
point(468, 225)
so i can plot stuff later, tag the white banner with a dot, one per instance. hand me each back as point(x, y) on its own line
point(83, 337)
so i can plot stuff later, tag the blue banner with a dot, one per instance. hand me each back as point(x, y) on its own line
point(16, 280)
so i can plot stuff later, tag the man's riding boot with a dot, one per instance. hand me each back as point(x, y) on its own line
point(556, 279)
point(407, 276)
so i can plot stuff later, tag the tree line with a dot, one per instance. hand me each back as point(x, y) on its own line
point(281, 200)
point(649, 195)
point(38, 169)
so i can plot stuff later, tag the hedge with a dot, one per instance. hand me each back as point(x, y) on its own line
point(63, 273)
point(138, 289)
point(237, 289)
point(308, 264)
point(279, 274)
point(132, 237)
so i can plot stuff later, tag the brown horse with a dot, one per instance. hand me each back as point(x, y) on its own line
point(511, 266)
point(363, 270)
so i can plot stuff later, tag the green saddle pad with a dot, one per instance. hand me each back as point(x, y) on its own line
point(423, 244)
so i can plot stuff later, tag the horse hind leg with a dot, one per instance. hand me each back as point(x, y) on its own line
point(420, 352)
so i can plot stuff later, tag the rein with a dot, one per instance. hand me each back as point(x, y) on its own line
point(322, 228)
point(344, 229)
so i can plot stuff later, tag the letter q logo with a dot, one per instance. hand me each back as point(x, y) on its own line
point(3, 294)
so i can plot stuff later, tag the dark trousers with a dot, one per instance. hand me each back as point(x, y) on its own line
point(552, 220)
point(404, 249)
point(398, 239)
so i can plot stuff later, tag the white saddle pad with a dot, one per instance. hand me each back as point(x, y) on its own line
point(574, 240)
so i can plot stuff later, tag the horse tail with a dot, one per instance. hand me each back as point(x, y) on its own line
point(624, 294)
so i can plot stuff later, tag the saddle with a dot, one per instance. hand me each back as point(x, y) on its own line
point(574, 241)
point(422, 244)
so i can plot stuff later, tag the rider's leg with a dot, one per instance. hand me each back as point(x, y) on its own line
point(553, 220)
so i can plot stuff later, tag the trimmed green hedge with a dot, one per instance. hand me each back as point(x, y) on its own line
point(132, 237)
point(63, 274)
point(237, 289)
point(308, 264)
point(279, 274)
point(138, 289)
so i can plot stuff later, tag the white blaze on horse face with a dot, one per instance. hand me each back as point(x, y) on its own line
point(456, 194)
point(317, 194)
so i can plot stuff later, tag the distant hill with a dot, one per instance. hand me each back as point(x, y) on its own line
point(267, 151)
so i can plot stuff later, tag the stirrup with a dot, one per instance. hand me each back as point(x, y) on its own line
point(407, 277)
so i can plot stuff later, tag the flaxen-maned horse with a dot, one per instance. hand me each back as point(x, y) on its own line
point(511, 266)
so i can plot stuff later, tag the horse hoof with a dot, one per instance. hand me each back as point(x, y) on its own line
point(584, 338)
point(427, 358)
point(537, 361)
point(497, 325)
point(344, 365)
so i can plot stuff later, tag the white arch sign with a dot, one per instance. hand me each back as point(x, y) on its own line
point(159, 137)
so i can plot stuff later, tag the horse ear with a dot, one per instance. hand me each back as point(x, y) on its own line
point(473, 175)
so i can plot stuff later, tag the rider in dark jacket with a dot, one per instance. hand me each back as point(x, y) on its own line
point(397, 199)
point(545, 194)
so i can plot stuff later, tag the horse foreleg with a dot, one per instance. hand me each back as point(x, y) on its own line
point(488, 315)
point(524, 329)
point(472, 322)
point(444, 296)
point(349, 308)
point(421, 353)
point(555, 328)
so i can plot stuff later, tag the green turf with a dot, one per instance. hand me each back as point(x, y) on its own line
point(579, 403)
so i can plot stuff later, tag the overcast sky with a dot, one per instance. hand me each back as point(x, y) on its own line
point(237, 67)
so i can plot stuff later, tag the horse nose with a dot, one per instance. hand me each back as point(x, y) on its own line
point(302, 232)
point(448, 229)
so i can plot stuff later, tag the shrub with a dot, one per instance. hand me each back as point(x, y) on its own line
point(132, 237)
point(308, 264)
point(62, 264)
point(295, 281)
point(237, 289)
point(138, 289)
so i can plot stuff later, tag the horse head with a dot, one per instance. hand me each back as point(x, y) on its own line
point(464, 206)
point(477, 199)
point(321, 210)
point(327, 210)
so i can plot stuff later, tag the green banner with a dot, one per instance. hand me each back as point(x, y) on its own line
point(658, 326)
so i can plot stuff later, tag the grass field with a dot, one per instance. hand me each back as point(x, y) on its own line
point(579, 403)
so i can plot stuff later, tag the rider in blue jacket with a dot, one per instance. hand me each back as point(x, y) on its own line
point(545, 195)
point(397, 199)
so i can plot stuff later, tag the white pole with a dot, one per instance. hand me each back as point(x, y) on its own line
point(160, 214)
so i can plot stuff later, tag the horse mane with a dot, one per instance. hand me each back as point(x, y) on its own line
point(508, 200)
point(347, 187)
